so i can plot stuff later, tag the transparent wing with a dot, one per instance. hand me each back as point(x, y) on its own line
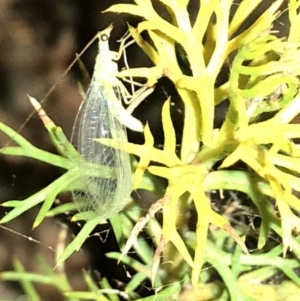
point(105, 172)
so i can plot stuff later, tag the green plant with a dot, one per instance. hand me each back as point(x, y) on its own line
point(266, 147)
point(263, 79)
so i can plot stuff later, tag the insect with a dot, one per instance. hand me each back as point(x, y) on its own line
point(102, 115)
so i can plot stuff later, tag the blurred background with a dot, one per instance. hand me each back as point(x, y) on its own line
point(38, 40)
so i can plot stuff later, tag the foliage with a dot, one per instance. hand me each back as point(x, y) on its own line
point(264, 78)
